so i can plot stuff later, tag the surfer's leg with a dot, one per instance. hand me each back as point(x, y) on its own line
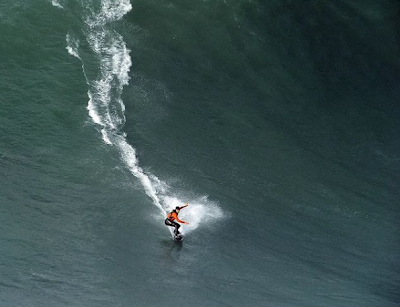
point(169, 223)
point(176, 228)
point(173, 224)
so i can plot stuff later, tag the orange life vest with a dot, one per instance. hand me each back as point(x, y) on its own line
point(172, 215)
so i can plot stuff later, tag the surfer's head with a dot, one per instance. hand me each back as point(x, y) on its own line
point(177, 209)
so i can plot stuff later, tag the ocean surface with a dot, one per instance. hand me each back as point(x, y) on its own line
point(277, 121)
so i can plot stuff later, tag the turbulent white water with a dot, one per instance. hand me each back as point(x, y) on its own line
point(106, 108)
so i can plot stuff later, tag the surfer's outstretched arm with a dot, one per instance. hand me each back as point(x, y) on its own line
point(180, 221)
point(184, 206)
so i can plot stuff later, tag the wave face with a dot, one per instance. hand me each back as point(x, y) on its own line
point(106, 107)
point(284, 112)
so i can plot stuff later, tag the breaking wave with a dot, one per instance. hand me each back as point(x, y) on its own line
point(106, 107)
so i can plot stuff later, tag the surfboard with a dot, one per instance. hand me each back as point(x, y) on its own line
point(178, 237)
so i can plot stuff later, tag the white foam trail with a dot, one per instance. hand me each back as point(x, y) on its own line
point(129, 156)
point(106, 108)
point(111, 10)
point(56, 4)
point(72, 46)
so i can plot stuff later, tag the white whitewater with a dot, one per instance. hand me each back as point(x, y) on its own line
point(56, 4)
point(106, 109)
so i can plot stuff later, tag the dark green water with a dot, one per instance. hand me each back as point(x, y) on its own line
point(278, 122)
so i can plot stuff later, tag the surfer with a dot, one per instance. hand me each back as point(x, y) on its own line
point(172, 216)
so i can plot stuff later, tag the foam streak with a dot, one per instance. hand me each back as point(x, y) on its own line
point(106, 107)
